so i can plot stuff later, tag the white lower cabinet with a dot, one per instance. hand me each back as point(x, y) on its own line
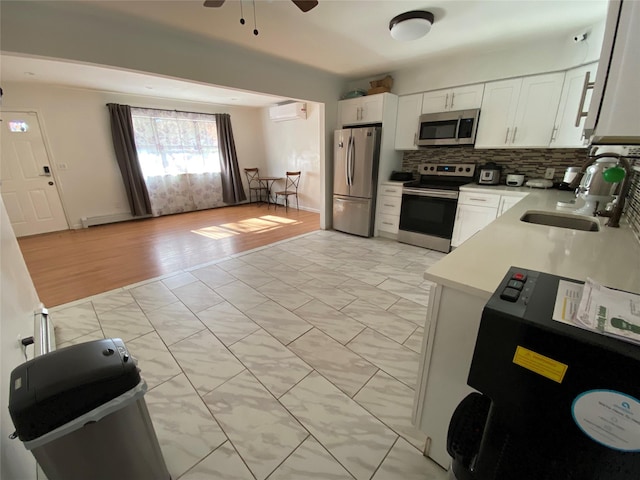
point(451, 328)
point(506, 202)
point(476, 210)
point(388, 209)
point(389, 223)
point(470, 219)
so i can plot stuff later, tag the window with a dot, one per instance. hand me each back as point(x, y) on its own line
point(18, 126)
point(174, 143)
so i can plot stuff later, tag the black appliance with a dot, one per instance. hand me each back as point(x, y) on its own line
point(55, 388)
point(558, 402)
point(401, 176)
point(429, 205)
point(448, 128)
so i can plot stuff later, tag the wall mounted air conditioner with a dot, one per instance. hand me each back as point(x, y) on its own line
point(289, 111)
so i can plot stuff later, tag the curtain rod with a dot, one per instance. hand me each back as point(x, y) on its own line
point(167, 110)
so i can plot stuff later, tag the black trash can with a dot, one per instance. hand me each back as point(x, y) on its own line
point(81, 412)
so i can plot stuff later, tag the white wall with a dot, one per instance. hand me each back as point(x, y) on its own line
point(77, 31)
point(18, 300)
point(76, 127)
point(295, 145)
point(538, 55)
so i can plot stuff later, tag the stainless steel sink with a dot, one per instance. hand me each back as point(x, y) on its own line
point(562, 220)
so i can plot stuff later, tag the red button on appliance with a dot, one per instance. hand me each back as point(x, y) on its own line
point(519, 276)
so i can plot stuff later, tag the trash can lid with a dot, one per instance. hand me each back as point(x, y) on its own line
point(57, 387)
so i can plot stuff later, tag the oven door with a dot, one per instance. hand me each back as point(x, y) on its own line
point(427, 213)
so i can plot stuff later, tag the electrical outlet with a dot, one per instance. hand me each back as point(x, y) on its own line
point(548, 173)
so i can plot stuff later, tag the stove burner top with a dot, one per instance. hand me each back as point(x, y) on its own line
point(443, 176)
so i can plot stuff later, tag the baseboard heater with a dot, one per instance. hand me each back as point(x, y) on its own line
point(104, 219)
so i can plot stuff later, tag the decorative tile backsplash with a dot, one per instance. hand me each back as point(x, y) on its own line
point(530, 162)
point(632, 209)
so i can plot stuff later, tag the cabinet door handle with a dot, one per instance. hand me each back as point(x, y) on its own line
point(478, 199)
point(553, 134)
point(446, 101)
point(389, 205)
point(586, 86)
point(452, 96)
point(387, 223)
point(415, 139)
point(506, 137)
point(515, 130)
point(390, 191)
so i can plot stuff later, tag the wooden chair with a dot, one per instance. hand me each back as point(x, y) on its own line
point(255, 185)
point(290, 188)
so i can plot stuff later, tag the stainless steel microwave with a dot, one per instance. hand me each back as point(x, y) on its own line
point(448, 128)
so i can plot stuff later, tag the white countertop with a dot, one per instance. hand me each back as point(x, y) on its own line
point(610, 256)
point(394, 182)
point(497, 189)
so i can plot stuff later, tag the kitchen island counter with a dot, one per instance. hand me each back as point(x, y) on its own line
point(610, 256)
point(467, 277)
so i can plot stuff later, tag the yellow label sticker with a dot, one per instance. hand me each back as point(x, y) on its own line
point(545, 366)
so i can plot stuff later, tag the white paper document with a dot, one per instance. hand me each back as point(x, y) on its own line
point(610, 312)
point(600, 309)
point(567, 301)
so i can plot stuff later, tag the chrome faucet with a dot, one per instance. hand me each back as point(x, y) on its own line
point(616, 213)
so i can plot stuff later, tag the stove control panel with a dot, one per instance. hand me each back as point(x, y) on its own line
point(449, 170)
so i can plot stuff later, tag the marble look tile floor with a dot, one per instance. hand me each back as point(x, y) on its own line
point(296, 360)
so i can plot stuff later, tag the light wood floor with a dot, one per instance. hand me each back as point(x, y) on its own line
point(74, 264)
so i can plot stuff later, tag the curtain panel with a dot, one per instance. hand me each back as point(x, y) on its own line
point(127, 157)
point(232, 189)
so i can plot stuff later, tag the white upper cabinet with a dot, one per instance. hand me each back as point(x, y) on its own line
point(498, 113)
point(409, 110)
point(537, 108)
point(614, 111)
point(361, 110)
point(519, 112)
point(451, 99)
point(572, 103)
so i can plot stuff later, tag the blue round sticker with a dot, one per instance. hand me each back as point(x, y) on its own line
point(610, 418)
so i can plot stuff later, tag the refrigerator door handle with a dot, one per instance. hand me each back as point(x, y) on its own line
point(352, 161)
point(346, 163)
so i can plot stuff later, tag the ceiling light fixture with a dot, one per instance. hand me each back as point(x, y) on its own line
point(411, 25)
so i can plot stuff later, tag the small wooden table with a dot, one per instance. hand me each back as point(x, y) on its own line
point(268, 183)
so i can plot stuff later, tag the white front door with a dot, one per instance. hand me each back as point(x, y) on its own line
point(28, 187)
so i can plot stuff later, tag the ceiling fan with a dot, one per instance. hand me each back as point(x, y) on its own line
point(304, 5)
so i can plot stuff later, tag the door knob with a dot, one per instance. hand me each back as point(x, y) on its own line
point(50, 183)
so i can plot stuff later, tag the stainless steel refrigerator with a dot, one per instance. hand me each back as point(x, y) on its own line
point(355, 179)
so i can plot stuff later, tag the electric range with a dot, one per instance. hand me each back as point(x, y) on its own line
point(429, 205)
